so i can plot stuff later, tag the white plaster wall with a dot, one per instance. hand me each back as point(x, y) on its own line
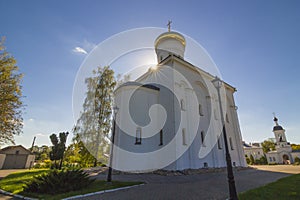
point(2, 159)
point(190, 159)
point(170, 45)
point(30, 161)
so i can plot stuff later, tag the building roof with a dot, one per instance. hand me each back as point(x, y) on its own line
point(2, 151)
point(134, 83)
point(168, 35)
point(277, 127)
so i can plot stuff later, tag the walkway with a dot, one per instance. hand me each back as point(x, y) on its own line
point(199, 186)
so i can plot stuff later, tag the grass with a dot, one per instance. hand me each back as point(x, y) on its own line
point(284, 188)
point(14, 183)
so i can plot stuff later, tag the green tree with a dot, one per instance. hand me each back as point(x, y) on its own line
point(252, 161)
point(94, 123)
point(58, 148)
point(77, 153)
point(11, 121)
point(268, 145)
point(295, 147)
point(41, 153)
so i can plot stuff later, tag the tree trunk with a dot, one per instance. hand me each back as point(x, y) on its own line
point(60, 164)
point(95, 162)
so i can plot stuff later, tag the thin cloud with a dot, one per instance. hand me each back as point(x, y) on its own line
point(79, 50)
point(41, 134)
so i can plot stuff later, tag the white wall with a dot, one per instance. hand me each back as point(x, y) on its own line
point(2, 159)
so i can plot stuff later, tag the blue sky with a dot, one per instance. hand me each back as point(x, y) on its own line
point(255, 44)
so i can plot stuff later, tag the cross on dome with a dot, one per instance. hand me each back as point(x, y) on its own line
point(169, 25)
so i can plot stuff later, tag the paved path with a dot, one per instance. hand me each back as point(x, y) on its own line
point(5, 172)
point(199, 186)
point(290, 169)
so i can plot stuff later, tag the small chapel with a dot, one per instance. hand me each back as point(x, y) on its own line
point(169, 118)
point(283, 153)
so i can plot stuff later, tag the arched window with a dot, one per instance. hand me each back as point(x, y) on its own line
point(227, 119)
point(219, 143)
point(138, 137)
point(215, 114)
point(182, 104)
point(161, 137)
point(201, 110)
point(202, 135)
point(183, 137)
point(230, 142)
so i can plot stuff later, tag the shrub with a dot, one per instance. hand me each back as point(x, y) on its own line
point(297, 160)
point(248, 160)
point(58, 181)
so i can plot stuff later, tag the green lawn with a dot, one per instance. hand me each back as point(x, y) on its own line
point(285, 188)
point(14, 183)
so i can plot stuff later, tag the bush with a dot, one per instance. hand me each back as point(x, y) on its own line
point(58, 181)
point(248, 160)
point(297, 160)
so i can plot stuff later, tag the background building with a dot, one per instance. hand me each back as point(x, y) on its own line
point(16, 157)
point(283, 153)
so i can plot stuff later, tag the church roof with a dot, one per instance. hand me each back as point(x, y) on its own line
point(168, 35)
point(277, 127)
point(134, 83)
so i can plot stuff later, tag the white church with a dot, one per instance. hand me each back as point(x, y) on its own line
point(169, 117)
point(283, 153)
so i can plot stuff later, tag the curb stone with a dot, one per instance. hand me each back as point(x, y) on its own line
point(16, 195)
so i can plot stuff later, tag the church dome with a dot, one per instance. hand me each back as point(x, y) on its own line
point(169, 43)
point(277, 127)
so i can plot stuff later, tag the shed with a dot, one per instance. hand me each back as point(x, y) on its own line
point(16, 157)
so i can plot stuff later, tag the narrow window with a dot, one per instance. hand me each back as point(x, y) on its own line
point(215, 114)
point(219, 144)
point(205, 165)
point(227, 119)
point(258, 153)
point(202, 138)
point(200, 110)
point(274, 159)
point(138, 137)
point(233, 163)
point(17, 152)
point(183, 137)
point(161, 137)
point(270, 158)
point(161, 58)
point(182, 104)
point(230, 142)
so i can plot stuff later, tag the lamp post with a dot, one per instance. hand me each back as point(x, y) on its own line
point(232, 190)
point(115, 109)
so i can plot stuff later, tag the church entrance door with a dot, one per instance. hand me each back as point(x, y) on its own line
point(286, 159)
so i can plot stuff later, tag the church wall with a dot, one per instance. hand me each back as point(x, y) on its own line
point(217, 157)
point(142, 101)
point(233, 124)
